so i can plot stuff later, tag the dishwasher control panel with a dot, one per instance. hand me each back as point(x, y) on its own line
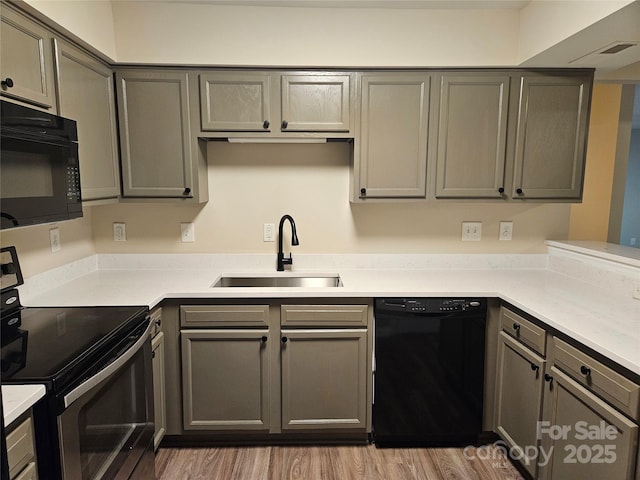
point(430, 305)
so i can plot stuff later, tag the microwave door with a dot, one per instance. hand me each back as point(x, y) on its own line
point(34, 185)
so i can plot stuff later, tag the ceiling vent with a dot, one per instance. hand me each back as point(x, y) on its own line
point(608, 53)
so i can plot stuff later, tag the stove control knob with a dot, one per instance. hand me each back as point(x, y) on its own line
point(474, 304)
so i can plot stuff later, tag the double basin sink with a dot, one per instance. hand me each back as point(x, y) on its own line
point(306, 281)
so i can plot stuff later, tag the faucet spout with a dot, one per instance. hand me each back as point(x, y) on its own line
point(282, 260)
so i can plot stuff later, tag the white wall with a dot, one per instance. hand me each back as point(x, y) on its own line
point(254, 184)
point(91, 21)
point(200, 33)
point(631, 210)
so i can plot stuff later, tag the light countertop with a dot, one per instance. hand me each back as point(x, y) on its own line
point(599, 312)
point(17, 399)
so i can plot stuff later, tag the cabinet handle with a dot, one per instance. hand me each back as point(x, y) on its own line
point(158, 322)
point(501, 190)
point(516, 327)
point(265, 124)
point(284, 339)
point(285, 124)
point(7, 83)
point(519, 191)
point(586, 371)
point(548, 378)
point(187, 191)
point(363, 192)
point(153, 354)
point(535, 367)
point(264, 339)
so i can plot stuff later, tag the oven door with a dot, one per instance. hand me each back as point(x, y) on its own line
point(107, 426)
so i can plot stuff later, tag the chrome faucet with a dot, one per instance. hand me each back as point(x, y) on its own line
point(282, 261)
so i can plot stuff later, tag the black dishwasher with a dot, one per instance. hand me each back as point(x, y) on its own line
point(429, 371)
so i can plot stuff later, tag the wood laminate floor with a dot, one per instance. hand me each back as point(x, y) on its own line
point(332, 463)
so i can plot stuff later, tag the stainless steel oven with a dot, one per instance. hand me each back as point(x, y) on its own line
point(96, 419)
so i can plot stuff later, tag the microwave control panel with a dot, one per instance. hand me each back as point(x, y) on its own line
point(73, 182)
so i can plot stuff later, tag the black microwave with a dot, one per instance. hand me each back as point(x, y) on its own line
point(39, 169)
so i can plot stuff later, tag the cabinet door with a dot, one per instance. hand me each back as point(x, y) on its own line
point(519, 389)
point(159, 398)
point(393, 136)
point(27, 61)
point(155, 143)
point(324, 381)
point(235, 102)
point(472, 135)
point(86, 94)
point(225, 379)
point(570, 411)
point(316, 103)
point(551, 136)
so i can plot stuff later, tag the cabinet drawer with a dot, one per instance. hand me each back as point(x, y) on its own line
point(616, 389)
point(324, 315)
point(528, 333)
point(29, 473)
point(224, 315)
point(20, 449)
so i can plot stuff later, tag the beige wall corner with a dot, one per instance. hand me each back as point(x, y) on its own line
point(590, 219)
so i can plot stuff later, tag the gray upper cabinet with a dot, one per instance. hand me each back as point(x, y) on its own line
point(27, 61)
point(160, 157)
point(316, 103)
point(391, 150)
point(551, 135)
point(274, 103)
point(471, 135)
point(86, 94)
point(235, 102)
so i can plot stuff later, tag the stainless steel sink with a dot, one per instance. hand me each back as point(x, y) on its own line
point(279, 282)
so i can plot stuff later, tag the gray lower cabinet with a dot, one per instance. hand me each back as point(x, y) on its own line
point(27, 60)
point(159, 393)
point(570, 413)
point(160, 156)
point(471, 127)
point(21, 453)
point(390, 153)
point(551, 134)
point(324, 378)
point(225, 379)
point(86, 95)
point(519, 386)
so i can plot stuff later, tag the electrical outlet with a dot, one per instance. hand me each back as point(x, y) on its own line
point(506, 230)
point(54, 239)
point(187, 232)
point(471, 231)
point(636, 291)
point(119, 232)
point(268, 232)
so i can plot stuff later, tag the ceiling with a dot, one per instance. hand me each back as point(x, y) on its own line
point(405, 4)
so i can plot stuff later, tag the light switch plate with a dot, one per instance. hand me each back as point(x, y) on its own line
point(506, 230)
point(187, 232)
point(119, 232)
point(54, 238)
point(268, 232)
point(471, 231)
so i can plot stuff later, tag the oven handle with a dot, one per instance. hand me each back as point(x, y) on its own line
point(90, 383)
